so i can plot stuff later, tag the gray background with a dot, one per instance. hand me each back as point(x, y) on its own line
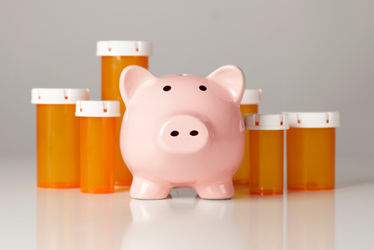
point(314, 55)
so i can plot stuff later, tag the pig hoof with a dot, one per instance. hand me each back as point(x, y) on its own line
point(148, 190)
point(216, 191)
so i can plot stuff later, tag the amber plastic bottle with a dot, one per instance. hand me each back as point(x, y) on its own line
point(266, 139)
point(97, 141)
point(249, 105)
point(115, 56)
point(311, 150)
point(57, 137)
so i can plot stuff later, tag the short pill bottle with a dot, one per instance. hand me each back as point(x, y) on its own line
point(115, 56)
point(311, 150)
point(249, 105)
point(97, 137)
point(266, 140)
point(57, 136)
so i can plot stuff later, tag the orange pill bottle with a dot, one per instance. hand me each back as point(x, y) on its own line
point(249, 105)
point(97, 137)
point(266, 139)
point(311, 150)
point(57, 136)
point(115, 56)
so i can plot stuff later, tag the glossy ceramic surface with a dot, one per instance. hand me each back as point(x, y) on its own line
point(182, 131)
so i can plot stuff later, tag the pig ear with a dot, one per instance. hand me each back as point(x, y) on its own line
point(132, 77)
point(231, 78)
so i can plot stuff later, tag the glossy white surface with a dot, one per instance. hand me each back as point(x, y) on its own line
point(66, 219)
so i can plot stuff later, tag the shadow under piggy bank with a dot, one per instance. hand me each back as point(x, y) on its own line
point(182, 223)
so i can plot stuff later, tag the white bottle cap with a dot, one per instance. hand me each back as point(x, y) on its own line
point(266, 122)
point(313, 119)
point(58, 96)
point(123, 48)
point(252, 96)
point(97, 109)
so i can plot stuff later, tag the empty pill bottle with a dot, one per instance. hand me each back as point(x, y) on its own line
point(266, 139)
point(115, 56)
point(57, 136)
point(97, 137)
point(249, 105)
point(311, 150)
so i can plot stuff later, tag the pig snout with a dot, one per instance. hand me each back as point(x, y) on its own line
point(183, 134)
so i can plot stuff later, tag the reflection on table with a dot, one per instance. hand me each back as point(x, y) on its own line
point(311, 220)
point(68, 219)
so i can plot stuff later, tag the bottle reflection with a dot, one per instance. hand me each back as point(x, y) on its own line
point(311, 220)
point(57, 212)
point(67, 219)
point(261, 222)
point(182, 223)
point(102, 222)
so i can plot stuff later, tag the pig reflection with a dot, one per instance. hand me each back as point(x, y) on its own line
point(182, 131)
point(182, 223)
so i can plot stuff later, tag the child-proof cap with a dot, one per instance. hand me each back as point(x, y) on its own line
point(58, 96)
point(252, 96)
point(123, 48)
point(97, 109)
point(313, 119)
point(266, 122)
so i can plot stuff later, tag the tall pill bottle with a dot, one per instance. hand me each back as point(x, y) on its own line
point(97, 137)
point(115, 56)
point(311, 150)
point(266, 140)
point(249, 105)
point(57, 136)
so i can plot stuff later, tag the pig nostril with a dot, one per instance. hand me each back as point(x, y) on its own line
point(167, 88)
point(174, 133)
point(202, 88)
point(194, 133)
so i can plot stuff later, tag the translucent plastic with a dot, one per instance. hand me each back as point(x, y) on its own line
point(266, 162)
point(97, 154)
point(311, 158)
point(111, 68)
point(241, 177)
point(57, 131)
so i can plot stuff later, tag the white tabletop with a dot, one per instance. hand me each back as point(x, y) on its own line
point(32, 218)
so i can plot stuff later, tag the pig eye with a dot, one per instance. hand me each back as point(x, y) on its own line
point(202, 87)
point(167, 88)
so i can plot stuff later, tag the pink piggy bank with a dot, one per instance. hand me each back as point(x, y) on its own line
point(182, 131)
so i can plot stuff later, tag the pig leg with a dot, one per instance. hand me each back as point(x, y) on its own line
point(215, 190)
point(142, 188)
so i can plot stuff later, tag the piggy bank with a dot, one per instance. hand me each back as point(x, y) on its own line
point(182, 131)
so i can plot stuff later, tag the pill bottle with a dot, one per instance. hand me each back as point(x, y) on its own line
point(249, 105)
point(57, 136)
point(311, 150)
point(97, 137)
point(266, 139)
point(115, 56)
